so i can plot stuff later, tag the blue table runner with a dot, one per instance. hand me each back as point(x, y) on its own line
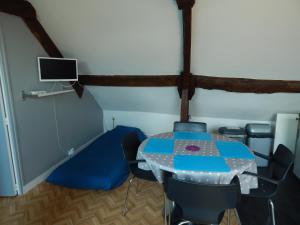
point(200, 163)
point(233, 150)
point(200, 136)
point(159, 146)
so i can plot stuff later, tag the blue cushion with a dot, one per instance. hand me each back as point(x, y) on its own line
point(100, 166)
point(200, 163)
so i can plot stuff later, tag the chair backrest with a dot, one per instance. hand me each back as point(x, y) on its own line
point(281, 162)
point(190, 126)
point(203, 203)
point(130, 146)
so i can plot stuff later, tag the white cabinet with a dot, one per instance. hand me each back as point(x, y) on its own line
point(287, 133)
point(286, 130)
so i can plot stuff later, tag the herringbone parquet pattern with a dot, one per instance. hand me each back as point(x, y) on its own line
point(53, 205)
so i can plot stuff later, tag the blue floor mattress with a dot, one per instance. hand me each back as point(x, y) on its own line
point(100, 166)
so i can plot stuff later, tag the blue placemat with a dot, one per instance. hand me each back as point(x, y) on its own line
point(159, 146)
point(200, 163)
point(234, 150)
point(201, 136)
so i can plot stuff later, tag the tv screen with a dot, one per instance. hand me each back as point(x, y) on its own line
point(57, 69)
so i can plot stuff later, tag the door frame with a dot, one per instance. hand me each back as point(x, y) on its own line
point(8, 119)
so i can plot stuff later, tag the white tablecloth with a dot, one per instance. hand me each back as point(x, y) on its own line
point(164, 162)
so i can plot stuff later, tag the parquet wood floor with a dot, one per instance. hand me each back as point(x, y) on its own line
point(48, 204)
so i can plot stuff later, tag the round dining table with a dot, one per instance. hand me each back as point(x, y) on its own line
point(199, 157)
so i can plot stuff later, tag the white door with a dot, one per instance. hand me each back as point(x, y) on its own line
point(286, 130)
point(7, 176)
point(10, 180)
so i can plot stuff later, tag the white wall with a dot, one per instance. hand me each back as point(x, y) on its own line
point(247, 38)
point(154, 123)
point(234, 38)
point(116, 36)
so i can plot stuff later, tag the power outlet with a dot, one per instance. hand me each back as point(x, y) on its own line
point(71, 152)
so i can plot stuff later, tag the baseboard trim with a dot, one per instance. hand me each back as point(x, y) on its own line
point(30, 185)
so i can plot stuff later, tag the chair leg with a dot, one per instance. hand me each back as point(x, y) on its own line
point(237, 217)
point(272, 211)
point(168, 207)
point(165, 210)
point(228, 216)
point(125, 209)
point(169, 213)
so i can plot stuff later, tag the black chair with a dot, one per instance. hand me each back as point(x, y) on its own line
point(190, 126)
point(269, 182)
point(198, 203)
point(130, 147)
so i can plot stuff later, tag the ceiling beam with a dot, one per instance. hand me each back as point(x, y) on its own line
point(244, 85)
point(27, 12)
point(19, 8)
point(129, 81)
point(241, 85)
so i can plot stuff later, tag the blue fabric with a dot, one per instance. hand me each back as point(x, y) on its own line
point(100, 166)
point(200, 163)
point(201, 136)
point(233, 150)
point(159, 146)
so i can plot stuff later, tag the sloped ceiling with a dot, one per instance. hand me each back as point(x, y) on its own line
point(233, 38)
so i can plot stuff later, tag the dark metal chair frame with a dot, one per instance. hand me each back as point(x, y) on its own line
point(130, 147)
point(272, 177)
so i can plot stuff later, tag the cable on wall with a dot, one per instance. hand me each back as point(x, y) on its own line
point(56, 125)
point(68, 86)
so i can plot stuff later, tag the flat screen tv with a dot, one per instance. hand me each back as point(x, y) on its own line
point(57, 69)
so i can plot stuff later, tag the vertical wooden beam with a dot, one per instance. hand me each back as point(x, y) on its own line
point(184, 111)
point(186, 85)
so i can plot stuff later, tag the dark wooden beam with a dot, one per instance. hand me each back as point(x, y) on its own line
point(241, 85)
point(41, 35)
point(18, 8)
point(186, 88)
point(184, 109)
point(129, 81)
point(27, 12)
point(244, 85)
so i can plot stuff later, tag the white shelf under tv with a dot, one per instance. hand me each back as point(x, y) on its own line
point(44, 94)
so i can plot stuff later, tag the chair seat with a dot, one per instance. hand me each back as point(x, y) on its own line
point(142, 174)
